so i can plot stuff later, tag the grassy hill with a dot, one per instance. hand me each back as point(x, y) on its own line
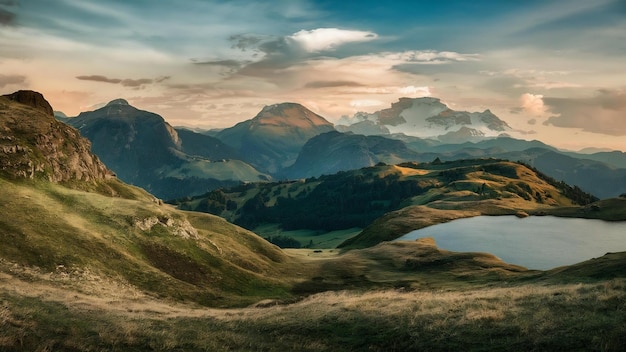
point(392, 297)
point(157, 249)
point(355, 199)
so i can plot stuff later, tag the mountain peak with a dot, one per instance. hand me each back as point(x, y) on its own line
point(118, 102)
point(32, 99)
point(293, 114)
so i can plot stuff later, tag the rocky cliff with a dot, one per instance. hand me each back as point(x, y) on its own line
point(33, 144)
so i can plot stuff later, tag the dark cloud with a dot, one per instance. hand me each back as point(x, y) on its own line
point(6, 80)
point(224, 63)
point(605, 113)
point(247, 41)
point(331, 84)
point(7, 12)
point(98, 78)
point(133, 83)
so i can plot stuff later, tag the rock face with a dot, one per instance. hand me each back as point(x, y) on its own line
point(32, 99)
point(33, 144)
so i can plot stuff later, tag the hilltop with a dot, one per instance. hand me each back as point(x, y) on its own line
point(34, 145)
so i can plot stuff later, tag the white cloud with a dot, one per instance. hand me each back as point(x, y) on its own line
point(415, 91)
point(329, 38)
point(428, 56)
point(533, 104)
point(360, 103)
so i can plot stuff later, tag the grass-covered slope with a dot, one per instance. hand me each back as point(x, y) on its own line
point(458, 302)
point(157, 249)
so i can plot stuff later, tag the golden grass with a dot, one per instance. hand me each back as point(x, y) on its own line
point(522, 317)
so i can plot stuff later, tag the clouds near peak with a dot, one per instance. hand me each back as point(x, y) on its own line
point(533, 104)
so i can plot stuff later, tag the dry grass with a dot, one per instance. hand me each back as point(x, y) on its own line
point(587, 317)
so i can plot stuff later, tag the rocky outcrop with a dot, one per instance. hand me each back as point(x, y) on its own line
point(33, 144)
point(32, 99)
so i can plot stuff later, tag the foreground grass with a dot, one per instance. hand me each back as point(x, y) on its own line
point(590, 317)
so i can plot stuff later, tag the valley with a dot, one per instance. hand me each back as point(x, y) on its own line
point(89, 262)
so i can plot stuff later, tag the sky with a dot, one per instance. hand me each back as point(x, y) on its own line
point(554, 70)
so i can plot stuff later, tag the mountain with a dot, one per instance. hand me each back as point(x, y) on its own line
point(198, 144)
point(331, 152)
point(614, 158)
point(35, 145)
point(273, 138)
point(367, 128)
point(600, 179)
point(430, 118)
point(146, 151)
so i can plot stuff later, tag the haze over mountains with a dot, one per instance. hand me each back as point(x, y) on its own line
point(287, 140)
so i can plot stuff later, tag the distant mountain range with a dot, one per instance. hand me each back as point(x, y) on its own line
point(288, 141)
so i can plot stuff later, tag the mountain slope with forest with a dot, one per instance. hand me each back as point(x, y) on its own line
point(356, 198)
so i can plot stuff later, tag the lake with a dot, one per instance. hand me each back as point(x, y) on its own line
point(536, 242)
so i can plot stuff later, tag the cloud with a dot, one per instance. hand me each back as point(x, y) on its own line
point(228, 63)
point(332, 84)
point(533, 104)
point(604, 113)
point(360, 103)
point(322, 39)
point(98, 78)
point(429, 56)
point(7, 16)
point(133, 83)
point(415, 91)
point(6, 80)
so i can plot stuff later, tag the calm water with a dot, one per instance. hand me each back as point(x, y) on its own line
point(536, 242)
